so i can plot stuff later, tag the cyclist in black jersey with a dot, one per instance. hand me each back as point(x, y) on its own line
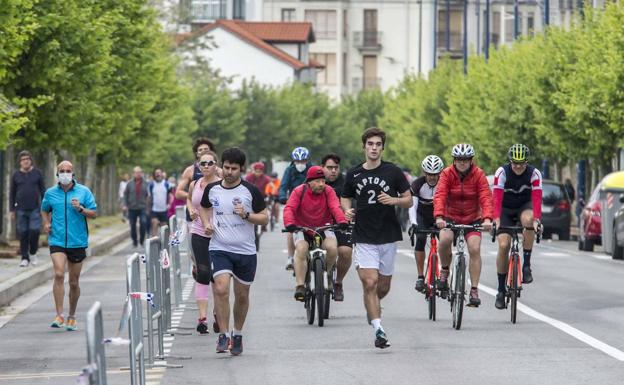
point(421, 213)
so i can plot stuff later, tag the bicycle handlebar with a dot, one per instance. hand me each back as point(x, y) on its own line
point(517, 229)
point(335, 226)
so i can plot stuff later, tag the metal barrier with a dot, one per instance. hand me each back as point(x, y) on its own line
point(95, 348)
point(180, 214)
point(166, 277)
point(135, 321)
point(176, 267)
point(153, 282)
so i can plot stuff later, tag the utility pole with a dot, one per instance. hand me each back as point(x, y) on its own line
point(516, 20)
point(465, 36)
point(435, 32)
point(487, 30)
point(448, 26)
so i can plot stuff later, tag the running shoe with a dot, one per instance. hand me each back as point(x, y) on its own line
point(202, 326)
point(420, 285)
point(237, 345)
point(527, 276)
point(300, 293)
point(223, 343)
point(215, 324)
point(289, 263)
point(71, 325)
point(381, 339)
point(500, 300)
point(58, 322)
point(24, 263)
point(34, 260)
point(338, 292)
point(474, 298)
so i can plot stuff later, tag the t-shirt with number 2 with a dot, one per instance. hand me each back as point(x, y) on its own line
point(375, 223)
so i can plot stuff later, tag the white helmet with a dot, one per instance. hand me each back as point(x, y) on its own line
point(463, 150)
point(432, 164)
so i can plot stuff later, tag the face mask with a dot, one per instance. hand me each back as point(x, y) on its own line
point(65, 178)
point(300, 167)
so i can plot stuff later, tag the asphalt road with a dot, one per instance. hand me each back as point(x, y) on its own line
point(570, 330)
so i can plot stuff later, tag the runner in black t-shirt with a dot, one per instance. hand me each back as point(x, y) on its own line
point(377, 187)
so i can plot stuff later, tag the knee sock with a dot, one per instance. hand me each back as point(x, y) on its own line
point(501, 282)
point(201, 291)
point(527, 258)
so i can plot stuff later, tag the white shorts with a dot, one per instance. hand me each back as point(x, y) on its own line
point(300, 236)
point(379, 257)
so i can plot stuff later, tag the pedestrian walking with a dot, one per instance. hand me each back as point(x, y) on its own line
point(135, 199)
point(65, 209)
point(158, 199)
point(26, 191)
point(237, 206)
point(120, 192)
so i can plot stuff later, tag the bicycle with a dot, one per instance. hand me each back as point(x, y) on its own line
point(270, 204)
point(457, 278)
point(514, 269)
point(317, 297)
point(432, 274)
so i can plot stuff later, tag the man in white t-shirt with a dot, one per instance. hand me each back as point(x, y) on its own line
point(158, 200)
point(237, 206)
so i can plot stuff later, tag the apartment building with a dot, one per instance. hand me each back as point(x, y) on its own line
point(374, 44)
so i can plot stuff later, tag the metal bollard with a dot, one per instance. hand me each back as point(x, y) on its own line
point(135, 322)
point(95, 348)
point(166, 278)
point(175, 265)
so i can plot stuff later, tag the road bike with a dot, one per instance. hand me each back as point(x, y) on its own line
point(432, 274)
point(457, 278)
point(514, 269)
point(317, 297)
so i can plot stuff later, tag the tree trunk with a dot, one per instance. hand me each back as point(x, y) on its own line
point(8, 226)
point(49, 167)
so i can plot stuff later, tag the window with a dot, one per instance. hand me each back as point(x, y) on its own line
point(496, 28)
point(455, 30)
point(288, 14)
point(326, 76)
point(239, 10)
point(531, 24)
point(344, 69)
point(323, 22)
point(208, 9)
point(345, 24)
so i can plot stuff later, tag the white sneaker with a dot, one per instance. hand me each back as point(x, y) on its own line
point(24, 263)
point(34, 260)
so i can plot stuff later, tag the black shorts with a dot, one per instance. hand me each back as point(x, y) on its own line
point(74, 255)
point(160, 215)
point(511, 217)
point(424, 223)
point(241, 266)
point(343, 238)
point(200, 247)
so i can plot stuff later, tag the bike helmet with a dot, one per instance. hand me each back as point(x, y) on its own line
point(432, 164)
point(518, 153)
point(463, 150)
point(300, 153)
point(257, 166)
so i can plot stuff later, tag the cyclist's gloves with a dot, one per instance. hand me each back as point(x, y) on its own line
point(291, 228)
point(412, 231)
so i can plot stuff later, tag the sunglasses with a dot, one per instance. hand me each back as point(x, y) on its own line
point(463, 159)
point(207, 163)
point(518, 164)
point(65, 171)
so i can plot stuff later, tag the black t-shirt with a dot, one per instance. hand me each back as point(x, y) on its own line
point(424, 192)
point(375, 223)
point(337, 185)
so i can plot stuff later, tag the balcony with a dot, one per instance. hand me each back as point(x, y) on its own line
point(365, 83)
point(367, 40)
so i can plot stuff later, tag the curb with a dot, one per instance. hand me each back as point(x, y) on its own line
point(22, 283)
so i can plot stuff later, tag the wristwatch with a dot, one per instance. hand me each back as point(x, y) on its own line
point(246, 215)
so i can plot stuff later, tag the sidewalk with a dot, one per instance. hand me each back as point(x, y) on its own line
point(15, 280)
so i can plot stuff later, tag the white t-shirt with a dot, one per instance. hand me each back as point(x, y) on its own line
point(159, 193)
point(231, 232)
point(122, 189)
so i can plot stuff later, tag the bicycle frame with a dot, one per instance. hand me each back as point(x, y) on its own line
point(432, 275)
point(514, 254)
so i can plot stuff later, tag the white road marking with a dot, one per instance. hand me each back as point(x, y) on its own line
point(564, 327)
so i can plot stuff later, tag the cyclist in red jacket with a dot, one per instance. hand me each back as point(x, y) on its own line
point(462, 196)
point(312, 204)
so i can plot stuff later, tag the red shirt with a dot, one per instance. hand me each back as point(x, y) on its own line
point(137, 188)
point(260, 182)
point(305, 208)
point(463, 201)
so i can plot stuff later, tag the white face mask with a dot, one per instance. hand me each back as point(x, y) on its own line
point(65, 178)
point(300, 167)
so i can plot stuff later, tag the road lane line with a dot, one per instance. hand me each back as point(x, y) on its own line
point(564, 327)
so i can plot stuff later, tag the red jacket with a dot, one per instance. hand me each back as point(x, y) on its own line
point(462, 201)
point(304, 208)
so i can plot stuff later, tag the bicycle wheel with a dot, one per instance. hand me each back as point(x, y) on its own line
point(257, 233)
point(432, 287)
point(328, 294)
point(459, 283)
point(514, 287)
point(309, 298)
point(319, 290)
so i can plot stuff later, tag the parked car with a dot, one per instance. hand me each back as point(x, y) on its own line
point(618, 232)
point(590, 227)
point(556, 210)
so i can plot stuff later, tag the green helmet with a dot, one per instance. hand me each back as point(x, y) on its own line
point(518, 153)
